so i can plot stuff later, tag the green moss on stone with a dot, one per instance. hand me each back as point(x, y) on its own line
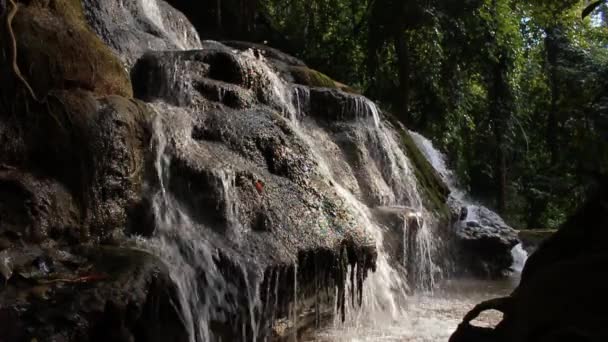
point(57, 50)
point(435, 191)
point(313, 78)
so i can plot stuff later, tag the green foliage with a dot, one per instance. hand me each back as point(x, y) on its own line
point(516, 93)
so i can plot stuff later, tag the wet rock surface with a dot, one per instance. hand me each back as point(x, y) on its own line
point(254, 191)
point(72, 162)
point(486, 241)
point(133, 27)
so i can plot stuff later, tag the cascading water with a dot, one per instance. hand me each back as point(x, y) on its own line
point(439, 163)
point(269, 86)
point(474, 213)
point(519, 258)
point(186, 39)
point(195, 252)
point(187, 247)
point(384, 293)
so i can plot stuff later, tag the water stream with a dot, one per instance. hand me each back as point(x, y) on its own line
point(427, 316)
point(403, 299)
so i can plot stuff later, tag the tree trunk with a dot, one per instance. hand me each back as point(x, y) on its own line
point(403, 61)
point(501, 106)
point(551, 49)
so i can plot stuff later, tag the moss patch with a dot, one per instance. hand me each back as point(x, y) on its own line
point(57, 50)
point(313, 78)
point(434, 189)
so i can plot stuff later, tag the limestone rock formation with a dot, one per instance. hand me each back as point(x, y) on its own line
point(258, 183)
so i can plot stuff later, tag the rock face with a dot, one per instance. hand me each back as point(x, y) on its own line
point(72, 162)
point(133, 27)
point(559, 297)
point(251, 178)
point(98, 294)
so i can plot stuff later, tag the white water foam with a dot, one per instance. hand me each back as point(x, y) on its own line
point(519, 258)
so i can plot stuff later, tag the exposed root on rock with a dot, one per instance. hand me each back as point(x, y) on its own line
point(16, 70)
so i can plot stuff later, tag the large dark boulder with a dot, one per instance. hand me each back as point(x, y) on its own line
point(78, 133)
point(72, 163)
point(485, 241)
point(93, 147)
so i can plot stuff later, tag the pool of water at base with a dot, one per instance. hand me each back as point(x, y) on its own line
point(428, 317)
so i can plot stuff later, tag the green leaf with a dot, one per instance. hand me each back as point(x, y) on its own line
point(591, 8)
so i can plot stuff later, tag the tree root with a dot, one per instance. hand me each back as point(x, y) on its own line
point(16, 70)
point(500, 304)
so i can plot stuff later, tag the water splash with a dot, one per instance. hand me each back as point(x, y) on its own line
point(519, 258)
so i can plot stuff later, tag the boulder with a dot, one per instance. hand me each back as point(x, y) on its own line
point(77, 135)
point(485, 241)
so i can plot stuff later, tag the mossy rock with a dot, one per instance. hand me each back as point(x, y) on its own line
point(313, 78)
point(57, 50)
point(434, 189)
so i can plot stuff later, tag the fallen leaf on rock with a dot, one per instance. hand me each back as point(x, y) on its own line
point(259, 186)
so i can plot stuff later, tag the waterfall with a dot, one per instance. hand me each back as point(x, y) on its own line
point(301, 98)
point(189, 248)
point(439, 162)
point(270, 87)
point(471, 212)
point(218, 280)
point(363, 108)
point(519, 258)
point(152, 12)
point(385, 290)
